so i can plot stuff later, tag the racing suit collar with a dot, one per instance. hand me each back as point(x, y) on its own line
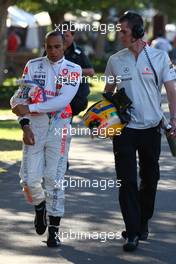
point(56, 62)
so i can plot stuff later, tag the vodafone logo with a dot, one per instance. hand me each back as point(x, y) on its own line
point(74, 75)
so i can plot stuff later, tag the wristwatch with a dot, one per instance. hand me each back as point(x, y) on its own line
point(24, 121)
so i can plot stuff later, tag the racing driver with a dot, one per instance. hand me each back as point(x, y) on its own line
point(46, 134)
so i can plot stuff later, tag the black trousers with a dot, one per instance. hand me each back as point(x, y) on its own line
point(137, 202)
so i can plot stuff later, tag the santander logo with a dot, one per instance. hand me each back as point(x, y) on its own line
point(147, 70)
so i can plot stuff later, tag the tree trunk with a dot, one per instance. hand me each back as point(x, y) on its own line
point(57, 17)
point(4, 4)
point(101, 38)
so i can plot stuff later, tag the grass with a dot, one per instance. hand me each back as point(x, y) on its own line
point(7, 112)
point(10, 82)
point(10, 143)
point(10, 130)
point(96, 88)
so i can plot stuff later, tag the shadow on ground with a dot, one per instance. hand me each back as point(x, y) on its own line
point(89, 209)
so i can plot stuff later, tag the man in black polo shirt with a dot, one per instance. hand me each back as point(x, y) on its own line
point(75, 54)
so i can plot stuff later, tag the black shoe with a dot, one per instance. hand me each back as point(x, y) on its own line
point(124, 234)
point(40, 222)
point(131, 244)
point(144, 231)
point(143, 235)
point(53, 237)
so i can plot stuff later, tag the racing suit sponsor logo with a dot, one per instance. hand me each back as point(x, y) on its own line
point(40, 66)
point(63, 141)
point(66, 80)
point(64, 71)
point(39, 76)
point(67, 112)
point(51, 93)
point(74, 75)
point(25, 70)
point(40, 81)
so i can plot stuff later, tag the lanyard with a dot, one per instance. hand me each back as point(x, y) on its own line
point(151, 65)
point(54, 72)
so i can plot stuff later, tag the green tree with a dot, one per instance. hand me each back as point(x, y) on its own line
point(166, 7)
point(104, 7)
point(55, 8)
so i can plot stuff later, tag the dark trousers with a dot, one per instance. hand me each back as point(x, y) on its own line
point(137, 203)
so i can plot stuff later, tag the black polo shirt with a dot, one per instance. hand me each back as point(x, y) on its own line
point(76, 54)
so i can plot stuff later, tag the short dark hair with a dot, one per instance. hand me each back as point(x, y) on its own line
point(132, 19)
point(54, 33)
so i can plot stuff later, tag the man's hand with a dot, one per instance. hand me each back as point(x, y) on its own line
point(20, 110)
point(173, 129)
point(171, 95)
point(28, 136)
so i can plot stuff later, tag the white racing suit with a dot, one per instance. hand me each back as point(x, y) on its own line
point(47, 159)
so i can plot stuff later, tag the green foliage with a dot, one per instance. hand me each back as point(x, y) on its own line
point(166, 7)
point(6, 92)
point(99, 64)
point(67, 5)
point(51, 5)
point(60, 6)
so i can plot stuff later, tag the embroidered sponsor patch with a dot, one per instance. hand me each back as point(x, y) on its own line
point(147, 70)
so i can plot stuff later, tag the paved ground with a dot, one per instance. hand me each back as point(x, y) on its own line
point(88, 210)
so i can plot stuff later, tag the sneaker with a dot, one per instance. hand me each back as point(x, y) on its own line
point(40, 222)
point(53, 237)
point(131, 244)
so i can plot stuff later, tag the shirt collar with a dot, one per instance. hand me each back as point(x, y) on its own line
point(56, 62)
point(71, 48)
